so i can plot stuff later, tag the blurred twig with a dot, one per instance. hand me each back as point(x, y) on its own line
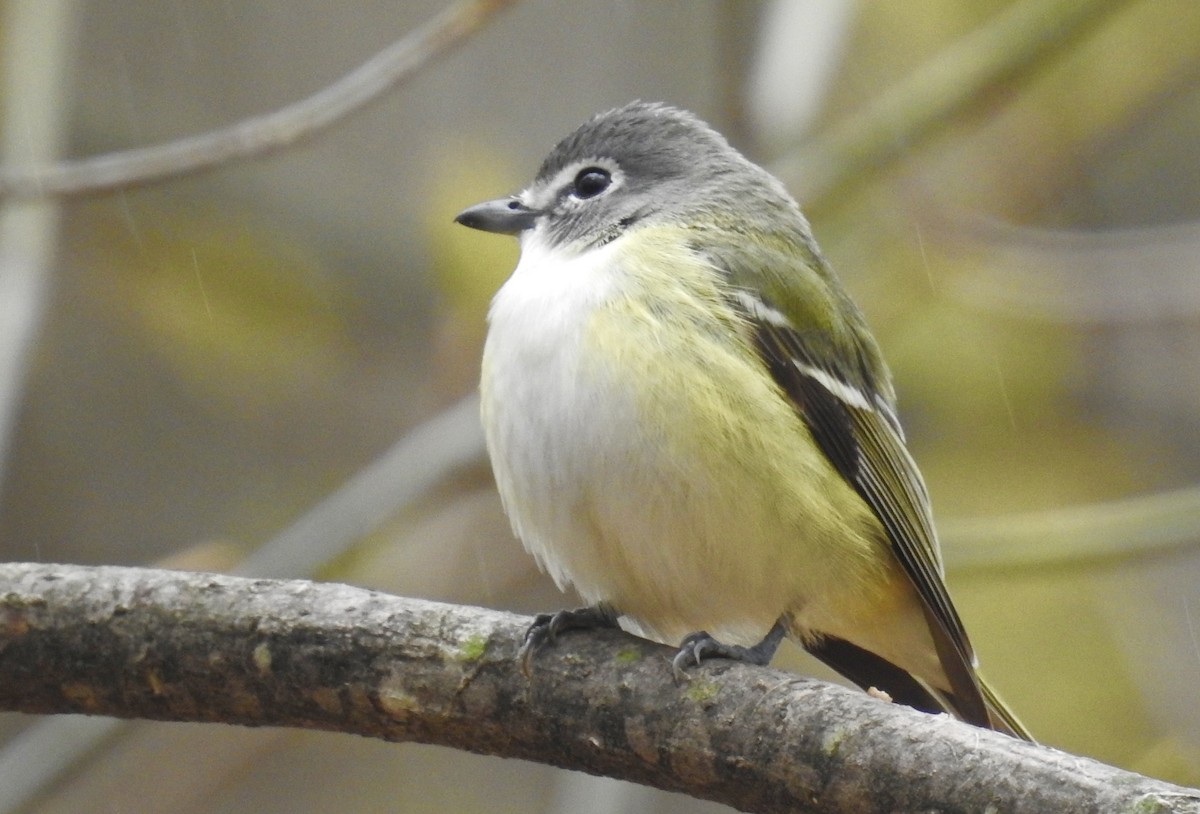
point(1075, 536)
point(1009, 49)
point(202, 647)
point(258, 135)
point(402, 476)
point(418, 462)
point(38, 38)
point(1082, 277)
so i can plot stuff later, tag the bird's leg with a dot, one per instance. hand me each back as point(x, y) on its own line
point(547, 626)
point(698, 646)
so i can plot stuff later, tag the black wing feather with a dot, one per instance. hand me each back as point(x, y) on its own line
point(865, 444)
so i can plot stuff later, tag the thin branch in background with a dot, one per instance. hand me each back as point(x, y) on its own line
point(425, 457)
point(176, 646)
point(1116, 531)
point(1006, 51)
point(1009, 49)
point(1082, 277)
point(453, 439)
point(259, 135)
point(38, 37)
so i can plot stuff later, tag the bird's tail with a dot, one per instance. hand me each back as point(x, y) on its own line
point(868, 670)
point(1000, 716)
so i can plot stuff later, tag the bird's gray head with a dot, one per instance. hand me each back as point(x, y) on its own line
point(629, 166)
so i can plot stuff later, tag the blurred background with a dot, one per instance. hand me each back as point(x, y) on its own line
point(268, 360)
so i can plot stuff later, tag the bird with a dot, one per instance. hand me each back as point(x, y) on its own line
point(690, 422)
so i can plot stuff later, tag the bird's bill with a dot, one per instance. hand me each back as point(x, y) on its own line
point(506, 216)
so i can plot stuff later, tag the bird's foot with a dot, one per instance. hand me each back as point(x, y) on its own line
point(546, 627)
point(698, 646)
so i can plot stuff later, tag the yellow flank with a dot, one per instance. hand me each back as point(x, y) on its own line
point(716, 510)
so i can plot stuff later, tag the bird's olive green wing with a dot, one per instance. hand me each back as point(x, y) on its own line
point(833, 373)
point(867, 448)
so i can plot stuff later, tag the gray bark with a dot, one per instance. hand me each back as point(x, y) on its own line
point(164, 645)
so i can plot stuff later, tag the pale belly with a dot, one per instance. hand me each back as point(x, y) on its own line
point(693, 501)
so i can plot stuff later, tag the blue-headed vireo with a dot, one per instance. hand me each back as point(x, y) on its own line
point(690, 422)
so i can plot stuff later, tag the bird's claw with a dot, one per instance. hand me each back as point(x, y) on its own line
point(694, 649)
point(547, 626)
point(698, 646)
point(540, 633)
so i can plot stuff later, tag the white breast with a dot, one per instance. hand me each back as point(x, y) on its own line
point(542, 407)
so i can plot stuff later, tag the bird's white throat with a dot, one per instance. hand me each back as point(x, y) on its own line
point(546, 413)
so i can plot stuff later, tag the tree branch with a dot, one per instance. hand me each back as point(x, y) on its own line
point(142, 643)
point(258, 135)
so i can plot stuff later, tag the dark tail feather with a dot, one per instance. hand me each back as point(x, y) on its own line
point(868, 670)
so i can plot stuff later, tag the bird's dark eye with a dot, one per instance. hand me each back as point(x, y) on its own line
point(591, 181)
